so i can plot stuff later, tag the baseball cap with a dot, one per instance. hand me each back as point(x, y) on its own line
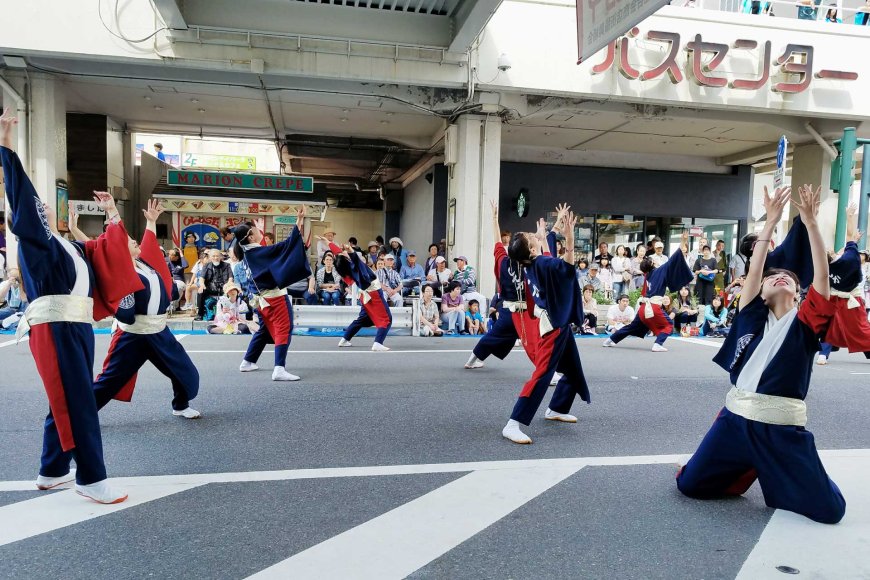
point(463, 258)
point(440, 259)
point(593, 266)
point(390, 257)
point(412, 253)
point(659, 245)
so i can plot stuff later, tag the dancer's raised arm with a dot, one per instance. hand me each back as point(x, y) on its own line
point(810, 200)
point(773, 205)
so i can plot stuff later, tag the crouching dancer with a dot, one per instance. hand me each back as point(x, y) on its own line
point(553, 297)
point(769, 354)
point(68, 284)
point(141, 334)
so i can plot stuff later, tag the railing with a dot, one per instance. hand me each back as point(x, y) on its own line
point(308, 316)
point(846, 10)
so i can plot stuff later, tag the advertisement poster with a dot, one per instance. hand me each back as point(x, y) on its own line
point(206, 230)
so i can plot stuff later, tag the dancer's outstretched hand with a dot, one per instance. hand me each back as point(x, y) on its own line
point(774, 204)
point(7, 122)
point(105, 201)
point(493, 203)
point(809, 203)
point(153, 210)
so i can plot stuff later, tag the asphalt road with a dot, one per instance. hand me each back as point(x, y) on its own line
point(390, 414)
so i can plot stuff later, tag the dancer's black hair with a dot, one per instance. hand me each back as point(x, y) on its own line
point(519, 250)
point(241, 233)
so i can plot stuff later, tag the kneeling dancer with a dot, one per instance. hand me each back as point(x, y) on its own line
point(555, 301)
point(67, 284)
point(141, 334)
point(270, 270)
point(651, 317)
point(375, 311)
point(769, 354)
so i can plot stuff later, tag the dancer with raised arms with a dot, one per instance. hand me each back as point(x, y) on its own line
point(769, 352)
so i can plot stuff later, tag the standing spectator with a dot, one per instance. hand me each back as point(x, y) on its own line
point(268, 239)
point(12, 293)
point(190, 251)
point(865, 275)
point(412, 275)
point(715, 315)
point(372, 253)
point(215, 274)
point(636, 273)
point(177, 266)
point(323, 245)
point(705, 269)
point(440, 277)
point(390, 281)
point(442, 245)
point(397, 248)
point(228, 236)
point(380, 240)
point(619, 314)
point(429, 265)
point(719, 280)
point(591, 278)
point(3, 235)
point(659, 257)
point(452, 309)
point(605, 273)
point(832, 17)
point(467, 278)
point(862, 16)
point(429, 319)
point(506, 238)
point(328, 281)
point(590, 311)
point(737, 266)
point(808, 9)
point(474, 321)
point(582, 270)
point(353, 244)
point(684, 312)
point(602, 253)
point(158, 151)
point(621, 266)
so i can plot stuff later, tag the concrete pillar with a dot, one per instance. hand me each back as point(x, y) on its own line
point(473, 182)
point(12, 96)
point(811, 165)
point(48, 136)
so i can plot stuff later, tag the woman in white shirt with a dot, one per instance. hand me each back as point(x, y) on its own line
point(621, 267)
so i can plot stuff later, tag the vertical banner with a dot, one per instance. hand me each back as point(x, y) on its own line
point(599, 22)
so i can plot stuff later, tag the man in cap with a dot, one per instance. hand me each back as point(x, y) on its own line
point(391, 282)
point(659, 257)
point(411, 274)
point(323, 245)
point(467, 278)
point(591, 278)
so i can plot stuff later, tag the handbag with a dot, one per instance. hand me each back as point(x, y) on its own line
point(626, 276)
point(708, 277)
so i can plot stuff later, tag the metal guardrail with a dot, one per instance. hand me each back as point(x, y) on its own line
point(308, 316)
point(846, 9)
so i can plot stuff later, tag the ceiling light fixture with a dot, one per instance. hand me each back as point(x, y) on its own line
point(158, 108)
point(194, 100)
point(343, 119)
point(201, 110)
point(147, 98)
point(385, 122)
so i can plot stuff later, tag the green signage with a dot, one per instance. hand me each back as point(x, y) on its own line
point(208, 161)
point(251, 181)
point(287, 220)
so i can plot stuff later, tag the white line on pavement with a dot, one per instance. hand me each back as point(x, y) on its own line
point(697, 341)
point(336, 350)
point(407, 538)
point(13, 341)
point(180, 337)
point(860, 373)
point(41, 515)
point(819, 550)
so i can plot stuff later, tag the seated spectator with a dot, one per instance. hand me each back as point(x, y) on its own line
point(429, 319)
point(390, 281)
point(328, 281)
point(590, 310)
point(467, 278)
point(12, 293)
point(591, 278)
point(440, 277)
point(323, 244)
point(619, 314)
point(372, 254)
point(683, 311)
point(215, 274)
point(397, 249)
point(452, 309)
point(666, 307)
point(412, 275)
point(353, 244)
point(715, 317)
point(227, 318)
point(268, 238)
point(475, 323)
point(177, 266)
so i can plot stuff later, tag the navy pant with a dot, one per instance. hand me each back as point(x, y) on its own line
point(557, 351)
point(500, 339)
point(64, 355)
point(783, 458)
point(365, 321)
point(128, 352)
point(279, 315)
point(638, 329)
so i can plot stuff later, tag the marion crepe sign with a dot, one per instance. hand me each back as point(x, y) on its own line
point(250, 181)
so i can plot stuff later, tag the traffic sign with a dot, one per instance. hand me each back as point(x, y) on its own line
point(781, 150)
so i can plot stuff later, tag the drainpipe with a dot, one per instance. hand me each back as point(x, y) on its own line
point(21, 109)
point(832, 153)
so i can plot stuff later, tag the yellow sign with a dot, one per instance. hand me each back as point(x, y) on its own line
point(208, 161)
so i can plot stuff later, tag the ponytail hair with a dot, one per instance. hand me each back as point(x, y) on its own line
point(241, 233)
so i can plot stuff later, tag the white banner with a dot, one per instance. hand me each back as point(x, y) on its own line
point(601, 21)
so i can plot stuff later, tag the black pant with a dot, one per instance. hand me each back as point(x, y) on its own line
point(704, 291)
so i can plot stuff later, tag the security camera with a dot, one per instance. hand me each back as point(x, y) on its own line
point(504, 63)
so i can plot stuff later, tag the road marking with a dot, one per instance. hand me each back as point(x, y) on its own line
point(697, 341)
point(336, 350)
point(860, 373)
point(22, 520)
point(407, 538)
point(13, 341)
point(819, 550)
point(180, 337)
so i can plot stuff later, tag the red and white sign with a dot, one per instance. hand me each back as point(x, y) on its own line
point(600, 22)
point(696, 231)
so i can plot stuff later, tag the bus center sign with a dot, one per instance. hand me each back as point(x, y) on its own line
point(703, 59)
point(249, 181)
